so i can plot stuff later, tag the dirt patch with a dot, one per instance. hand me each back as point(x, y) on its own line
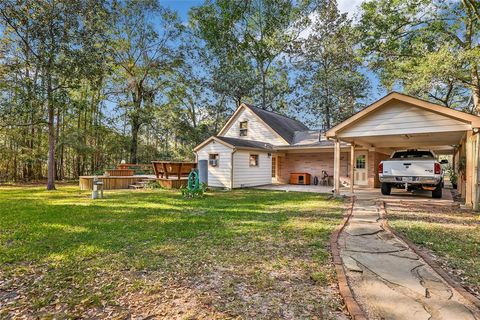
point(223, 293)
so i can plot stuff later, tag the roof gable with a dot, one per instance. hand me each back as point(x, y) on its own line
point(234, 143)
point(281, 126)
point(441, 112)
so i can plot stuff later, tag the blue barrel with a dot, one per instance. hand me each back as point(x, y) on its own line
point(203, 171)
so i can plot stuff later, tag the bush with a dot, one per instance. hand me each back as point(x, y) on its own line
point(453, 176)
point(189, 194)
point(153, 185)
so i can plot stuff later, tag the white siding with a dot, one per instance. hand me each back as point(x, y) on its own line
point(402, 118)
point(246, 176)
point(257, 130)
point(218, 176)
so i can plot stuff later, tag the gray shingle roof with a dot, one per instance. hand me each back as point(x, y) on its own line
point(246, 143)
point(306, 137)
point(282, 125)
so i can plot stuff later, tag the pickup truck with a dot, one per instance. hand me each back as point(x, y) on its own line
point(411, 170)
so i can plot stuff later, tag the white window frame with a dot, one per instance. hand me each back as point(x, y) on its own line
point(243, 130)
point(250, 160)
point(216, 159)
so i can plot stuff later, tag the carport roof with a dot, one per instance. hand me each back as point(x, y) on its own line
point(473, 120)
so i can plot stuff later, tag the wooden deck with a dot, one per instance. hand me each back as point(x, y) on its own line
point(123, 182)
point(170, 175)
point(172, 183)
point(112, 182)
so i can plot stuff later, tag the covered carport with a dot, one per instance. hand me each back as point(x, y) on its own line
point(399, 121)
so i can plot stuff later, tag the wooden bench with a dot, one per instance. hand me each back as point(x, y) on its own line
point(166, 169)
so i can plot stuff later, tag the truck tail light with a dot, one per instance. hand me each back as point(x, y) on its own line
point(438, 168)
point(380, 167)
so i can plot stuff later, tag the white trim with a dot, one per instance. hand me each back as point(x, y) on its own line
point(451, 113)
point(235, 114)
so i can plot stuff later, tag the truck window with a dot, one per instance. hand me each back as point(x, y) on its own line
point(412, 154)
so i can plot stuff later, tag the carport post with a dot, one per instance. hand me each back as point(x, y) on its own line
point(471, 170)
point(336, 168)
point(476, 158)
point(352, 164)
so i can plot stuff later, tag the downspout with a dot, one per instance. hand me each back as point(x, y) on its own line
point(231, 168)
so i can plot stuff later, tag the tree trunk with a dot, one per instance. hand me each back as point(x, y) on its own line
point(57, 138)
point(264, 88)
point(476, 93)
point(134, 141)
point(51, 137)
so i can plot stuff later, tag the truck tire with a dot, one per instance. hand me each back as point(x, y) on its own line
point(437, 193)
point(386, 189)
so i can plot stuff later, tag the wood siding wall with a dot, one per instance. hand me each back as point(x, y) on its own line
point(257, 130)
point(246, 176)
point(218, 176)
point(402, 118)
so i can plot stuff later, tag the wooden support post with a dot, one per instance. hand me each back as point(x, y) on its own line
point(165, 170)
point(469, 146)
point(475, 178)
point(352, 166)
point(336, 168)
point(179, 171)
point(454, 165)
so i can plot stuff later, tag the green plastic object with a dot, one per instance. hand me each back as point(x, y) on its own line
point(193, 182)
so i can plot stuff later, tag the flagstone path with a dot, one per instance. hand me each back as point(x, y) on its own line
point(388, 279)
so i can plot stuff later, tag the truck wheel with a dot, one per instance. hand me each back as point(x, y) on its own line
point(386, 189)
point(437, 193)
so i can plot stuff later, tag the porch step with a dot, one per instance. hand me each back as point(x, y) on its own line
point(141, 184)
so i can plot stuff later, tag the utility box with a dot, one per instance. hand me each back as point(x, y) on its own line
point(203, 171)
point(97, 190)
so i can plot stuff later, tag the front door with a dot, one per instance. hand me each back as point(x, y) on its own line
point(361, 168)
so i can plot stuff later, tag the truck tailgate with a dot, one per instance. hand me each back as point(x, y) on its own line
point(409, 167)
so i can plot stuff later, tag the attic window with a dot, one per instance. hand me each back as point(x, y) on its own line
point(243, 128)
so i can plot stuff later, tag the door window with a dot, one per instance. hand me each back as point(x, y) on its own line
point(360, 162)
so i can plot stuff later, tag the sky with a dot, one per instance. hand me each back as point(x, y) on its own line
point(348, 6)
point(182, 6)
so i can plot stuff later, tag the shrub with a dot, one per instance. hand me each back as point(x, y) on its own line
point(189, 194)
point(153, 185)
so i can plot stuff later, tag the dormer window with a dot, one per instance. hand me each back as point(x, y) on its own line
point(243, 128)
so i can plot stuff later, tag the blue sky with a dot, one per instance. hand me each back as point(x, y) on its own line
point(181, 6)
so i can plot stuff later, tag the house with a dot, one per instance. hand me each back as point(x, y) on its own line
point(258, 147)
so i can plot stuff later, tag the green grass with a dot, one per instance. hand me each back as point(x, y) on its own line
point(138, 252)
point(452, 234)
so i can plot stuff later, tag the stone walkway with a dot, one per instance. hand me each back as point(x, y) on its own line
point(388, 279)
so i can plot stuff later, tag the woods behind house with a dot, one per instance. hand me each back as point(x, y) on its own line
point(85, 84)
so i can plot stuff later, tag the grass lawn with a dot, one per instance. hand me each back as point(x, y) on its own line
point(240, 254)
point(451, 234)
